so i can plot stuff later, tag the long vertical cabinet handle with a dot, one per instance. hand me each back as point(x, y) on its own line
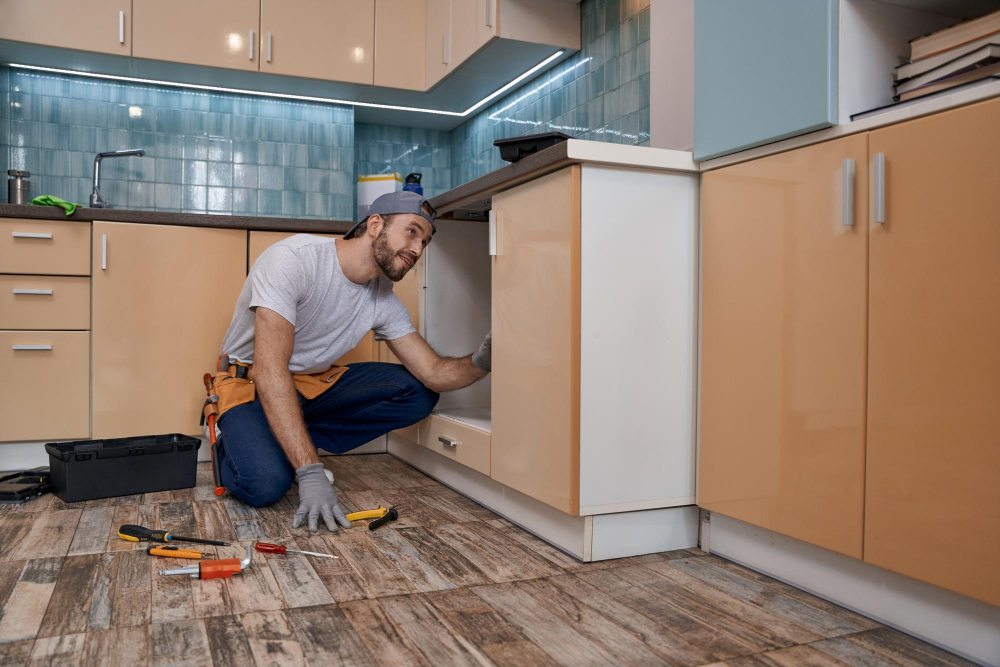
point(121, 27)
point(251, 44)
point(496, 233)
point(445, 48)
point(878, 188)
point(104, 252)
point(268, 47)
point(490, 11)
point(848, 192)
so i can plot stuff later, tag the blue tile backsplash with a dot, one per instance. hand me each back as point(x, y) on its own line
point(244, 155)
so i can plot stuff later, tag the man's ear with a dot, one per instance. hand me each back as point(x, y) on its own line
point(375, 224)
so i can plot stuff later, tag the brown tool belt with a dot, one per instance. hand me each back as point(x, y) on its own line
point(235, 386)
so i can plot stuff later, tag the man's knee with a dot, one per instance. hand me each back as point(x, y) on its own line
point(265, 489)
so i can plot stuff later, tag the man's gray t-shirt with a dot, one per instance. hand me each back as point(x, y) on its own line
point(300, 279)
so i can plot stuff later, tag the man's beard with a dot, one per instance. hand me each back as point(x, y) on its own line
point(385, 258)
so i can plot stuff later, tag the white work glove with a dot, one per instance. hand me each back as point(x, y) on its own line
point(481, 357)
point(316, 498)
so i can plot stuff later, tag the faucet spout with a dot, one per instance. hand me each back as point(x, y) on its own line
point(96, 200)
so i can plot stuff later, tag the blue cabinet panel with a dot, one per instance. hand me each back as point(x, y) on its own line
point(765, 70)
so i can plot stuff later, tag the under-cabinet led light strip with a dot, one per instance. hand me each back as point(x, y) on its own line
point(287, 96)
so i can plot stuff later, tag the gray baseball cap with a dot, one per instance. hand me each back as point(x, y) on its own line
point(393, 203)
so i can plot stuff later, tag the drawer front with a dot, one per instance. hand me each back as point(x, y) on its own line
point(45, 247)
point(45, 393)
point(44, 302)
point(471, 447)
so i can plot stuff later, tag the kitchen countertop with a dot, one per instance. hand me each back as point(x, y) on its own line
point(181, 219)
point(471, 200)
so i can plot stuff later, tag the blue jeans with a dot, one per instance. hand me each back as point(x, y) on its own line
point(369, 400)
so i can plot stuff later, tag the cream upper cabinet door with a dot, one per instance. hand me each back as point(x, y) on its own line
point(220, 33)
point(536, 340)
point(163, 298)
point(783, 343)
point(438, 47)
point(932, 507)
point(319, 39)
point(400, 35)
point(104, 26)
point(473, 24)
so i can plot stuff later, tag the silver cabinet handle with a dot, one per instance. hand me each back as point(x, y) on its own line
point(121, 27)
point(493, 233)
point(251, 45)
point(31, 347)
point(490, 11)
point(878, 188)
point(848, 172)
point(104, 252)
point(448, 441)
point(445, 44)
point(33, 291)
point(30, 235)
point(268, 47)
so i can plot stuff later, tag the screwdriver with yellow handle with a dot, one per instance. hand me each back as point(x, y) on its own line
point(134, 533)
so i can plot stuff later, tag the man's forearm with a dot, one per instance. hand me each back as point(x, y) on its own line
point(451, 373)
point(281, 406)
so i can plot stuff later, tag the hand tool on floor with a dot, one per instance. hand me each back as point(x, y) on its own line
point(134, 533)
point(174, 552)
point(224, 568)
point(390, 515)
point(367, 514)
point(210, 413)
point(268, 548)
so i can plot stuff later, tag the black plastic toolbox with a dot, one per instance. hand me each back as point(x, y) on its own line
point(515, 148)
point(91, 469)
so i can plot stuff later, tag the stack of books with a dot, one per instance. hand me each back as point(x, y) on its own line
point(951, 57)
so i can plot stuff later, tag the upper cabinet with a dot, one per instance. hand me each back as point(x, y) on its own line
point(319, 39)
point(225, 34)
point(473, 24)
point(104, 26)
point(400, 35)
point(437, 41)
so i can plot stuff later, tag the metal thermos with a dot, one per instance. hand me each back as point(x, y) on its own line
point(18, 187)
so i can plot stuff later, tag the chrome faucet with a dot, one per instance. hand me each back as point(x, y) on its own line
point(96, 200)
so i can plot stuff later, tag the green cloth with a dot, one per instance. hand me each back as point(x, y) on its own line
point(49, 200)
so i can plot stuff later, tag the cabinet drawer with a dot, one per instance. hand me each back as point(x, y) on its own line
point(45, 247)
point(45, 394)
point(471, 446)
point(44, 302)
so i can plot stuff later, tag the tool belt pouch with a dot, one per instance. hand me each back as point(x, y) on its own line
point(311, 386)
point(232, 391)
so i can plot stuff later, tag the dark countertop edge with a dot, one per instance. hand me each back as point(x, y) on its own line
point(477, 193)
point(178, 219)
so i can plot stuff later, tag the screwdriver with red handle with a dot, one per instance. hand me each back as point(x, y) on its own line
point(267, 547)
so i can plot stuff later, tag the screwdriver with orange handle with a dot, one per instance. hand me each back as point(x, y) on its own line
point(268, 548)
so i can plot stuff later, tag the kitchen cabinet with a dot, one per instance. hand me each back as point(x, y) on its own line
point(473, 25)
point(162, 300)
point(400, 35)
point(438, 61)
point(932, 505)
point(783, 343)
point(225, 34)
point(408, 291)
point(105, 26)
point(44, 247)
point(45, 302)
point(319, 39)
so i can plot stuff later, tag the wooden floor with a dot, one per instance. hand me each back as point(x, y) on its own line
point(450, 583)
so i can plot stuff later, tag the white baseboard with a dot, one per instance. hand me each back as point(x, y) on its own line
point(584, 537)
point(954, 622)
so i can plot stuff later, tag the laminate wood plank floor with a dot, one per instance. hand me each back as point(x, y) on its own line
point(450, 583)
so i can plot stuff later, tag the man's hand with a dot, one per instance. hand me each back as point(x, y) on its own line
point(437, 373)
point(317, 498)
point(481, 357)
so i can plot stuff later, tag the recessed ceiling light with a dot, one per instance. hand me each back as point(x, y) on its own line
point(287, 96)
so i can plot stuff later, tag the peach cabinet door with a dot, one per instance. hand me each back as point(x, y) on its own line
point(103, 26)
point(783, 344)
point(933, 483)
point(438, 46)
point(469, 27)
point(400, 32)
point(536, 340)
point(332, 40)
point(162, 300)
point(219, 33)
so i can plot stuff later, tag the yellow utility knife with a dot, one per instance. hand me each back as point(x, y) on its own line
point(368, 514)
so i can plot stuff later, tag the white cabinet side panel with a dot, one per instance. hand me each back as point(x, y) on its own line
point(651, 531)
point(638, 330)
